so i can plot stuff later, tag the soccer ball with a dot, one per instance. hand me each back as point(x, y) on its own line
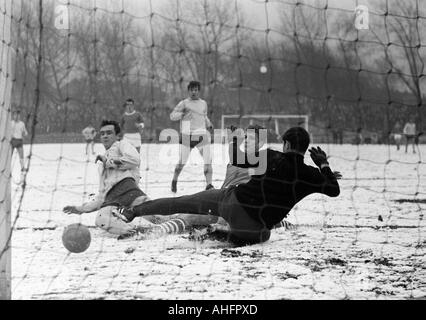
point(76, 238)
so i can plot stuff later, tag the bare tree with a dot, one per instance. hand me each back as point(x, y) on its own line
point(403, 49)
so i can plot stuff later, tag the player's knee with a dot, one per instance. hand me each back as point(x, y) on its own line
point(179, 167)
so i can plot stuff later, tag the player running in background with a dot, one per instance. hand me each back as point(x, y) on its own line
point(195, 126)
point(89, 134)
point(132, 124)
point(18, 133)
point(252, 209)
point(118, 186)
point(397, 134)
point(410, 134)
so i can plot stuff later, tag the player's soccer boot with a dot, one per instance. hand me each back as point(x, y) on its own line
point(174, 186)
point(143, 233)
point(125, 214)
point(209, 186)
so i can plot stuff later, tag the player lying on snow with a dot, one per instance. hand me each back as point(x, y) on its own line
point(253, 208)
point(118, 185)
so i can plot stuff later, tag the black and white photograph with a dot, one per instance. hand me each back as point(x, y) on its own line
point(212, 150)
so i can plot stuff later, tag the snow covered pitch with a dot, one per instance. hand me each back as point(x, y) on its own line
point(368, 243)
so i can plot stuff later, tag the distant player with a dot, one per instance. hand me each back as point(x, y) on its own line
point(252, 209)
point(410, 134)
point(133, 124)
point(18, 133)
point(195, 129)
point(89, 134)
point(359, 138)
point(118, 186)
point(397, 134)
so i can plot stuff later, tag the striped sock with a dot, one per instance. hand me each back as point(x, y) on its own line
point(285, 224)
point(172, 226)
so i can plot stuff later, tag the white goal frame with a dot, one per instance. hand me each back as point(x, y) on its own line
point(264, 117)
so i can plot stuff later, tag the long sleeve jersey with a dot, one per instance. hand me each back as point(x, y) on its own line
point(193, 116)
point(110, 173)
point(269, 196)
point(410, 129)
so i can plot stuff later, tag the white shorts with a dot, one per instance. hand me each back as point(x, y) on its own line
point(134, 139)
point(397, 137)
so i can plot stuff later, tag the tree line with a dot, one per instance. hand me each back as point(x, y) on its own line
point(316, 63)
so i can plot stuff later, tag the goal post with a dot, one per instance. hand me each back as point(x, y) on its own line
point(6, 77)
point(278, 123)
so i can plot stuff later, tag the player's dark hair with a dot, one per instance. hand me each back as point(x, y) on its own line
point(116, 125)
point(130, 100)
point(194, 84)
point(298, 138)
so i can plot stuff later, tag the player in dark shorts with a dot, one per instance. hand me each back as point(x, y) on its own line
point(118, 185)
point(195, 128)
point(252, 209)
point(17, 142)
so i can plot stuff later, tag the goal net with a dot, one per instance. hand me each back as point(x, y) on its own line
point(354, 76)
point(275, 124)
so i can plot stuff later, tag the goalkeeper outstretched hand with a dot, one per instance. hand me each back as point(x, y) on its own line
point(337, 175)
point(318, 156)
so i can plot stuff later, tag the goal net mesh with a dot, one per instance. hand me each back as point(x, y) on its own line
point(275, 125)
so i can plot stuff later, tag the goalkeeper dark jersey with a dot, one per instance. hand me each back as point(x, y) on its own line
point(268, 197)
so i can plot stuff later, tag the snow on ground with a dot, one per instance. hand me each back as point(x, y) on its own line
point(365, 244)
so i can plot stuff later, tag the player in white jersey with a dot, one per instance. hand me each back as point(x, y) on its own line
point(118, 186)
point(89, 134)
point(18, 133)
point(195, 129)
point(410, 134)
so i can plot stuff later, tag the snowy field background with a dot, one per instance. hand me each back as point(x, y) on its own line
point(369, 243)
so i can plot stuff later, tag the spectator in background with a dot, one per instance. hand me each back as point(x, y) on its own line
point(132, 124)
point(410, 134)
point(397, 133)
